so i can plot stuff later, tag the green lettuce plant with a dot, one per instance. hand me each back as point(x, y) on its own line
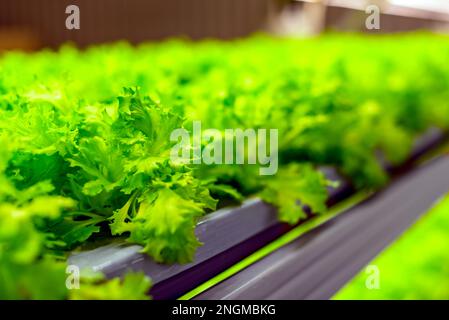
point(86, 144)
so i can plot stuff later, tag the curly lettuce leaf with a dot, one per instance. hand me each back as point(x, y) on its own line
point(133, 286)
point(294, 187)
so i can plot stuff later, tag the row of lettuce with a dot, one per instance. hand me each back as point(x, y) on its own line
point(86, 143)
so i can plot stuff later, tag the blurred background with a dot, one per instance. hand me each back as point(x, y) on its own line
point(31, 25)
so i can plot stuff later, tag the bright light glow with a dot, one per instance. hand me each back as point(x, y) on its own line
point(431, 5)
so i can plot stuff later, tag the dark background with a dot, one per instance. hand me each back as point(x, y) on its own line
point(33, 24)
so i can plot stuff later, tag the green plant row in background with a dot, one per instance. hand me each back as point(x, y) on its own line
point(86, 144)
point(414, 267)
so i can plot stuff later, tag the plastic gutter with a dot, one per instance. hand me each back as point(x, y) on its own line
point(318, 263)
point(229, 235)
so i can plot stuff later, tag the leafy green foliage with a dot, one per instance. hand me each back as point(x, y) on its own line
point(134, 286)
point(34, 226)
point(26, 271)
point(294, 184)
point(86, 144)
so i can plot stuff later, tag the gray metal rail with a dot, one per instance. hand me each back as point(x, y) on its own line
point(319, 263)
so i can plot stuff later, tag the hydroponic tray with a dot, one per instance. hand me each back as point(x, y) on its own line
point(229, 235)
point(320, 262)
